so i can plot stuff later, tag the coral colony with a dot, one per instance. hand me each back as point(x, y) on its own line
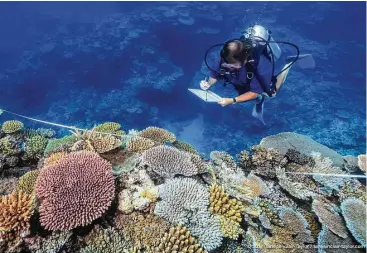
point(110, 190)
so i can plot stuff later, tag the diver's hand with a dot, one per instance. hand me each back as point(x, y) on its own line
point(204, 85)
point(226, 101)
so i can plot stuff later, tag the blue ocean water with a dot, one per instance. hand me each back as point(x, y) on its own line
point(84, 63)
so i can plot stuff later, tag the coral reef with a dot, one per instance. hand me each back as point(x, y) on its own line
point(146, 191)
point(75, 191)
point(354, 213)
point(12, 126)
point(328, 242)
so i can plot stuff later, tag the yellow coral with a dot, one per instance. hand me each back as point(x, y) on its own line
point(5, 146)
point(143, 231)
point(230, 228)
point(105, 143)
point(158, 135)
point(179, 240)
point(109, 127)
point(184, 146)
point(27, 182)
point(54, 158)
point(221, 204)
point(139, 144)
point(16, 210)
point(12, 126)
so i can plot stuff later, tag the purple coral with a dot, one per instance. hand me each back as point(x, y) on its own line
point(75, 191)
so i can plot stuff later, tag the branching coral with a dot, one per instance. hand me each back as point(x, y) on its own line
point(206, 228)
point(8, 185)
point(268, 213)
point(27, 182)
point(296, 157)
point(314, 225)
point(222, 158)
point(144, 232)
point(329, 217)
point(12, 126)
point(54, 158)
point(169, 161)
point(244, 159)
point(158, 135)
point(105, 241)
point(221, 204)
point(353, 189)
point(179, 240)
point(184, 146)
point(230, 228)
point(35, 146)
point(75, 191)
point(354, 213)
point(6, 147)
point(50, 244)
point(60, 145)
point(138, 144)
point(180, 199)
point(47, 133)
point(16, 210)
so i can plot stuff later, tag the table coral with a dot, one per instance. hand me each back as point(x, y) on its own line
point(12, 126)
point(158, 135)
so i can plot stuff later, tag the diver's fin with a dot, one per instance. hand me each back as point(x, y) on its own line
point(258, 111)
point(304, 61)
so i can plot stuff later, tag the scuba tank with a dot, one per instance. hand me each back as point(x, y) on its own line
point(260, 37)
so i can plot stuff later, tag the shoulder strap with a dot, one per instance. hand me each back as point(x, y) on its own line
point(252, 67)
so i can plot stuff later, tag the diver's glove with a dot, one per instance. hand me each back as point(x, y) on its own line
point(204, 85)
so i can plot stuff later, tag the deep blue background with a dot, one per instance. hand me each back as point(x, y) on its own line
point(84, 63)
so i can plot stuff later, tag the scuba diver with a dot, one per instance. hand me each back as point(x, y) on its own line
point(248, 63)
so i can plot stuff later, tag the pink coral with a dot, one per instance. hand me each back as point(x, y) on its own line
point(75, 191)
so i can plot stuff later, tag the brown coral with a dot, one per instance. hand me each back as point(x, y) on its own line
point(221, 204)
point(143, 231)
point(265, 161)
point(16, 210)
point(75, 191)
point(158, 135)
point(179, 240)
point(139, 144)
point(28, 181)
point(353, 189)
point(54, 158)
point(329, 217)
